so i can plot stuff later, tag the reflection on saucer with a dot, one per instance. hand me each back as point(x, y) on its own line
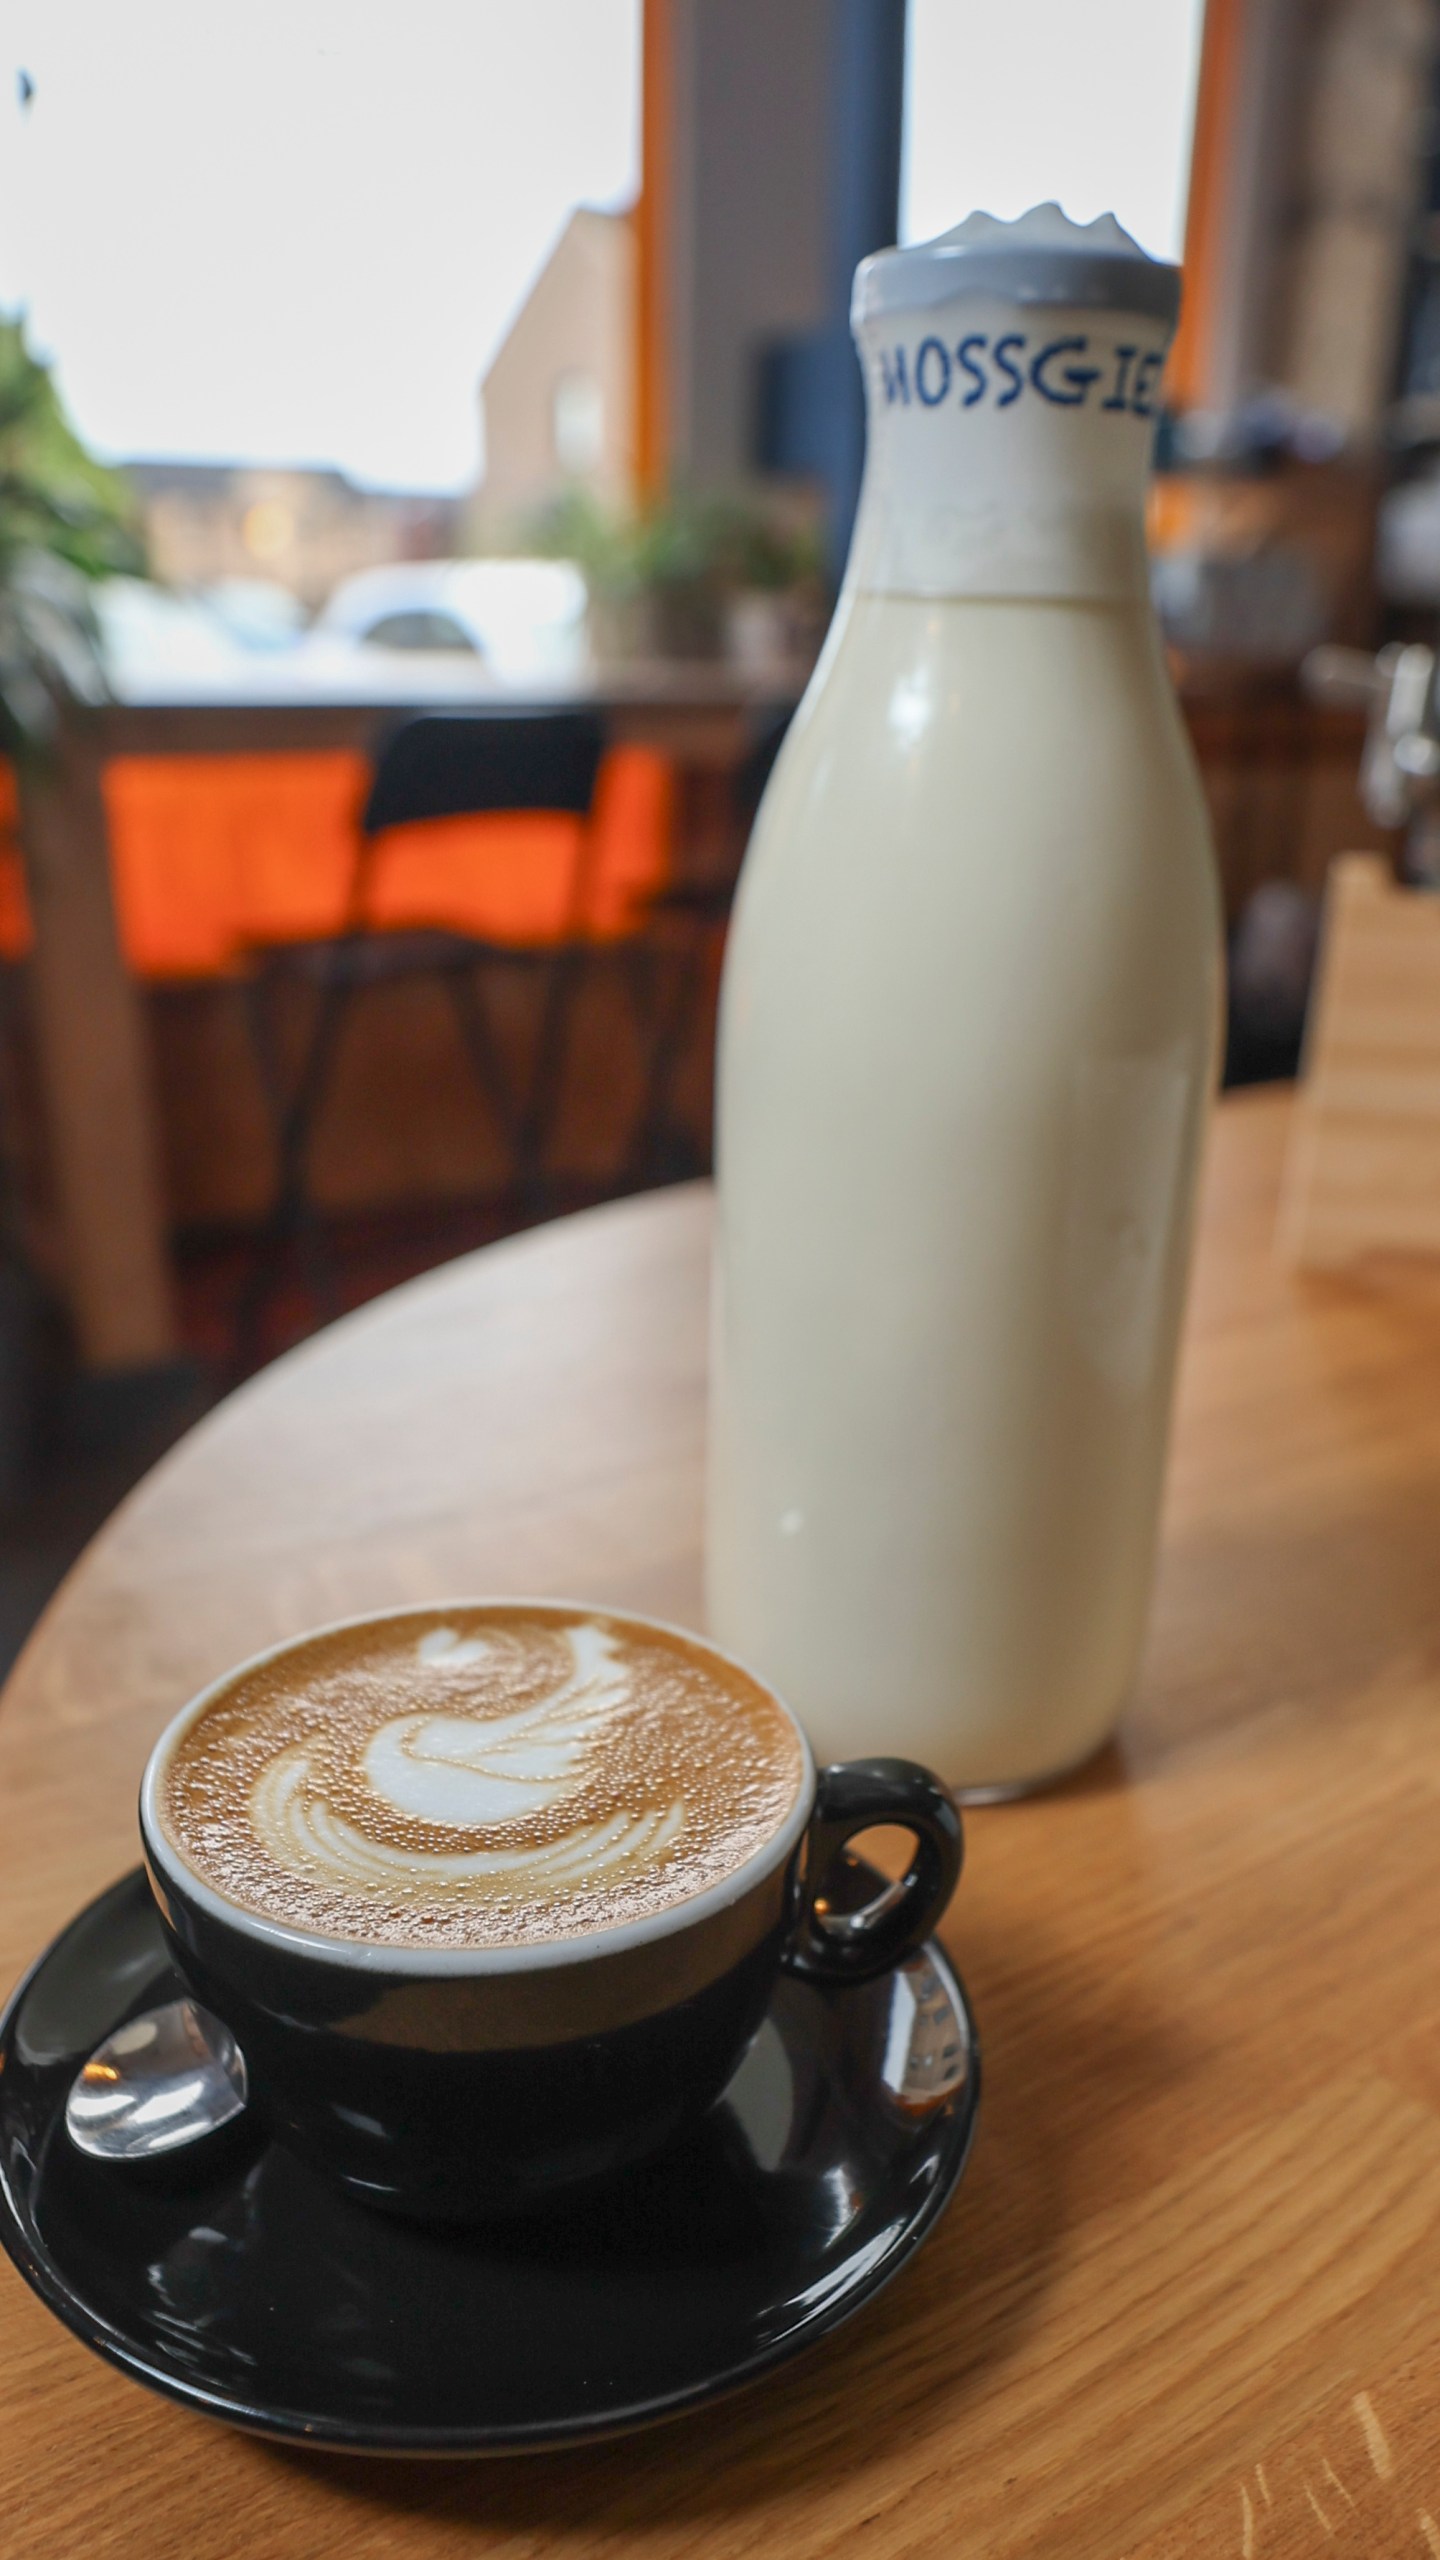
point(762, 2097)
point(927, 2049)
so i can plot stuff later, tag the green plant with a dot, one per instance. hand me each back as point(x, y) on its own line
point(757, 549)
point(64, 522)
point(684, 544)
point(598, 539)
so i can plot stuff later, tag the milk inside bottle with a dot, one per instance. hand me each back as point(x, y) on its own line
point(967, 1043)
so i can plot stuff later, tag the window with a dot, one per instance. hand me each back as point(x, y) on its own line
point(577, 422)
point(1093, 105)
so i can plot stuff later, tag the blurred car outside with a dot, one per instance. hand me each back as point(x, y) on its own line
point(422, 630)
point(524, 619)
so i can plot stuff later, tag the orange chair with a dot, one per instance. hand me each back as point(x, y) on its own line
point(212, 855)
point(547, 901)
point(216, 856)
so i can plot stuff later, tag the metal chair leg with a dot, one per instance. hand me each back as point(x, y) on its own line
point(293, 1215)
point(487, 1065)
point(663, 1039)
point(563, 973)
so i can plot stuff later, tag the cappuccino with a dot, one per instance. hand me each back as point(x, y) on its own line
point(479, 1777)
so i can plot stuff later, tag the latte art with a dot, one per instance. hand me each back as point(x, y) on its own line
point(449, 1769)
point(458, 1773)
point(489, 1777)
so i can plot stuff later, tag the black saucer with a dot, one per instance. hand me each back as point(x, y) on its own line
point(257, 2293)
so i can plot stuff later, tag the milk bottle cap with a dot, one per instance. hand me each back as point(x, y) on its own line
point(1041, 257)
point(1012, 375)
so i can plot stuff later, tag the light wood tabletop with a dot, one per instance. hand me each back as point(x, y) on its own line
point(1187, 2299)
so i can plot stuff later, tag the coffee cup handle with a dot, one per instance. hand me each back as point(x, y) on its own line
point(832, 1943)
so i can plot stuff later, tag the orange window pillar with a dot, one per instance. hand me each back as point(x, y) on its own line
point(1212, 157)
point(653, 240)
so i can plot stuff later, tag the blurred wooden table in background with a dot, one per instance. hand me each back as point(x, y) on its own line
point(96, 1074)
point(1279, 771)
point(1187, 2300)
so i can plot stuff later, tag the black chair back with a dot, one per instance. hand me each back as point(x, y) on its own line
point(463, 764)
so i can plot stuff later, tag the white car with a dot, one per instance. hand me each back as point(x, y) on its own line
point(523, 619)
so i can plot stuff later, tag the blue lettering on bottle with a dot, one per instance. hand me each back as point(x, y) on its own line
point(1010, 370)
point(1119, 399)
point(1070, 391)
point(936, 349)
point(967, 364)
point(1146, 374)
point(1061, 371)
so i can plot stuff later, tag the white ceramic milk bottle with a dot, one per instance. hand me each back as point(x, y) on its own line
point(967, 1043)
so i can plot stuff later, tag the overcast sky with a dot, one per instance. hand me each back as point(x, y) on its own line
point(296, 230)
point(1091, 101)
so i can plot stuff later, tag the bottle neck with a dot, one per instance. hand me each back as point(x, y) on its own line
point(1007, 452)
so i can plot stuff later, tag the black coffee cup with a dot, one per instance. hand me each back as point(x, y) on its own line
point(455, 2083)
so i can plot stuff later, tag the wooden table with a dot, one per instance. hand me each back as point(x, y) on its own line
point(93, 1066)
point(1187, 2301)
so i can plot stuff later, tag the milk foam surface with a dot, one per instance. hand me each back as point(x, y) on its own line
point(479, 1778)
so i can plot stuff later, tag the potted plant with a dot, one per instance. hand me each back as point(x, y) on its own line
point(674, 579)
point(65, 521)
point(777, 596)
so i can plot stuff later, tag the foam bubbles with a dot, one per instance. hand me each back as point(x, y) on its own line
point(453, 1770)
point(495, 1777)
point(465, 1773)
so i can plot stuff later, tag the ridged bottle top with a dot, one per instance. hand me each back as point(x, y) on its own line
point(1043, 257)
